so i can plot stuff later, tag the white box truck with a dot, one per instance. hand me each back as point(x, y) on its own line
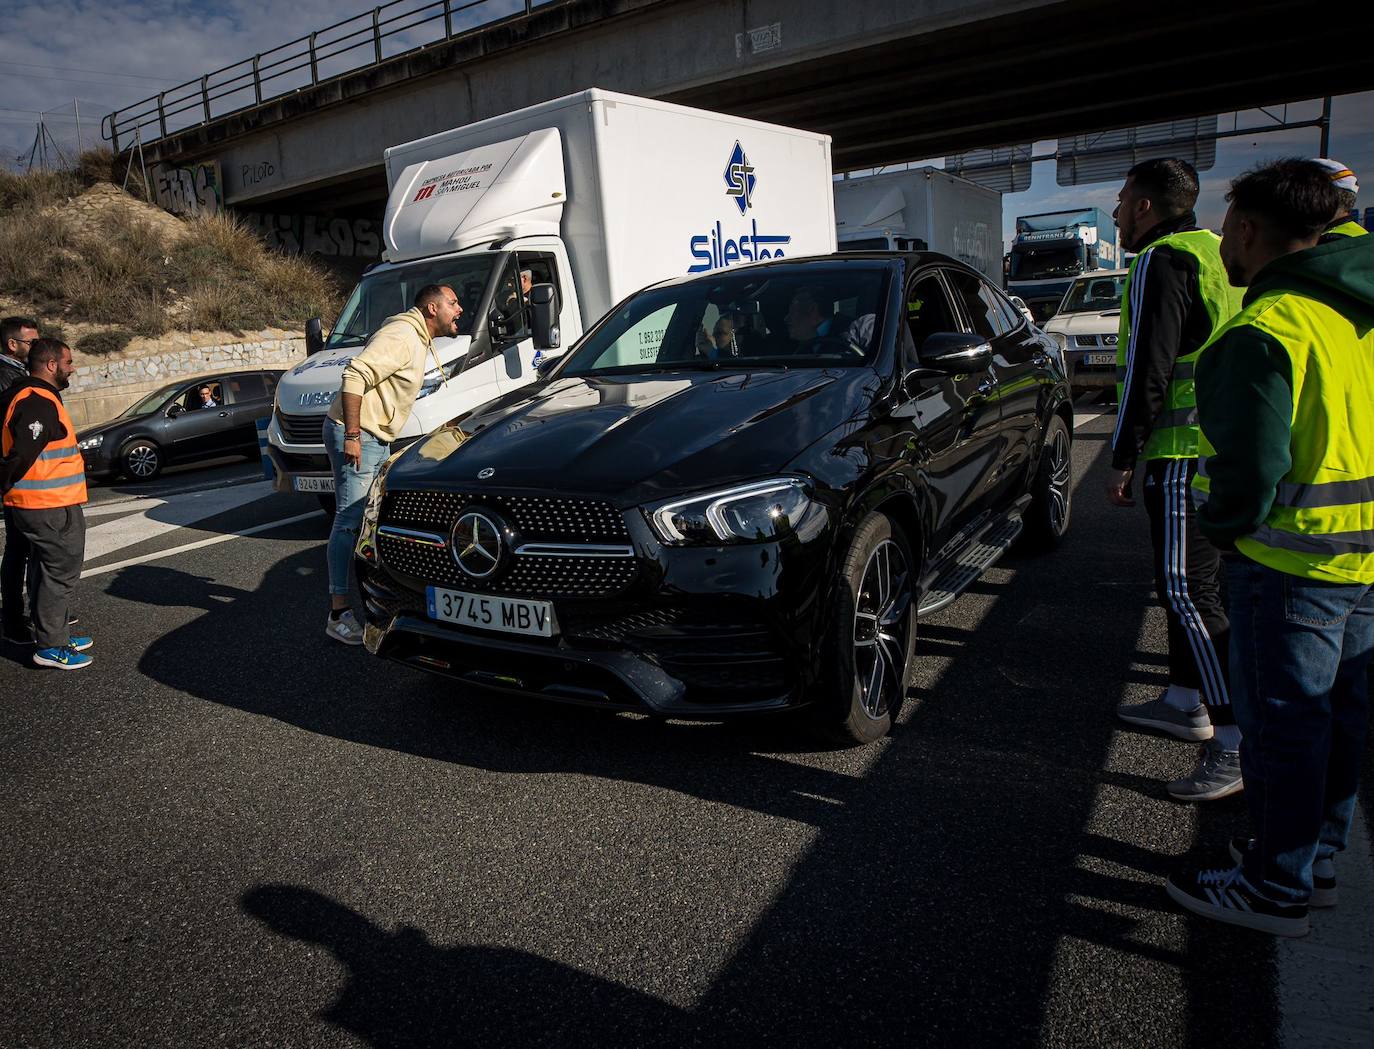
point(596, 195)
point(919, 209)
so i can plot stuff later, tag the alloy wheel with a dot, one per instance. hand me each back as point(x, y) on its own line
point(1061, 474)
point(880, 628)
point(142, 461)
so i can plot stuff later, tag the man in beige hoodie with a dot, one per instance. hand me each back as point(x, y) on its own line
point(375, 399)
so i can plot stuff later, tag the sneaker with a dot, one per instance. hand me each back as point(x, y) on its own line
point(1192, 725)
point(80, 643)
point(1323, 874)
point(1217, 775)
point(1224, 896)
point(61, 659)
point(345, 629)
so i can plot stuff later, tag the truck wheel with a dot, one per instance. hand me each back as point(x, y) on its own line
point(141, 460)
point(868, 651)
point(1047, 517)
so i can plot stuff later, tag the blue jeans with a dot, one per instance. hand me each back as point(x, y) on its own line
point(350, 498)
point(1299, 653)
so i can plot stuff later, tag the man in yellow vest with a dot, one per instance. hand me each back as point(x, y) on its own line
point(1348, 190)
point(1176, 296)
point(1286, 478)
point(43, 481)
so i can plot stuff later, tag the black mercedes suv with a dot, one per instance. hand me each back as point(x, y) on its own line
point(737, 493)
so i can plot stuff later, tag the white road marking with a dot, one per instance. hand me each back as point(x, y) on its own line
point(1326, 979)
point(1083, 418)
point(159, 516)
point(172, 551)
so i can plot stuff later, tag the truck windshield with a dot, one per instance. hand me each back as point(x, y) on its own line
point(812, 318)
point(1034, 263)
point(1093, 295)
point(385, 293)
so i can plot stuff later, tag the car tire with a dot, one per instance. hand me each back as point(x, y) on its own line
point(140, 461)
point(867, 654)
point(1047, 517)
point(327, 504)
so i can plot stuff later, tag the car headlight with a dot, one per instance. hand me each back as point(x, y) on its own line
point(372, 510)
point(87, 444)
point(744, 514)
point(1060, 338)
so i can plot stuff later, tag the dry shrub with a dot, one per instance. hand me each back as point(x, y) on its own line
point(120, 270)
point(104, 342)
point(99, 165)
point(37, 189)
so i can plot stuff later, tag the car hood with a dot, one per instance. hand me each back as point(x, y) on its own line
point(1092, 323)
point(639, 437)
point(311, 386)
point(105, 427)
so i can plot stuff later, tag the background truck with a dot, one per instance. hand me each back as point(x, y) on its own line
point(919, 209)
point(597, 195)
point(1048, 251)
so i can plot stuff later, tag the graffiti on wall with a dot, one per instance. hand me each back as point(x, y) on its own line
point(193, 190)
point(350, 238)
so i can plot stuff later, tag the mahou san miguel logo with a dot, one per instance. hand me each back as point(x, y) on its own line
point(720, 247)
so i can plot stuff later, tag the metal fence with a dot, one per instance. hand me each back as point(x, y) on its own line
point(386, 32)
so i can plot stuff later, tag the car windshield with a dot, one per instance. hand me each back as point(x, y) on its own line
point(1094, 295)
point(152, 402)
point(1033, 263)
point(385, 293)
point(811, 317)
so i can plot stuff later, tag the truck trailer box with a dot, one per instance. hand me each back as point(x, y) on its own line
point(597, 194)
point(922, 207)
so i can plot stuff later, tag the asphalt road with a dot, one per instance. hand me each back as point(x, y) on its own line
point(233, 831)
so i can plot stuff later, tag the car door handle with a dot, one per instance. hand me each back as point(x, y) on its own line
point(225, 415)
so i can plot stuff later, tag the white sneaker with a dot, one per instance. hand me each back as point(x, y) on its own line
point(345, 629)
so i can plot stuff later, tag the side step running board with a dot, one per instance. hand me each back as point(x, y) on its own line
point(972, 562)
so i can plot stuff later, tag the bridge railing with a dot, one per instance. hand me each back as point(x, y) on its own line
point(386, 32)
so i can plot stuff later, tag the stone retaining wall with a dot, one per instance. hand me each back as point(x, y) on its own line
point(102, 387)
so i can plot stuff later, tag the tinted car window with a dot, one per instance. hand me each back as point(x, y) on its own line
point(817, 317)
point(980, 303)
point(928, 309)
point(246, 388)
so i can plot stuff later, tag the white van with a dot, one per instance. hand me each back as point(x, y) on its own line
point(597, 195)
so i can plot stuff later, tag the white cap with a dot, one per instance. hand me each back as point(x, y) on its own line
point(1341, 176)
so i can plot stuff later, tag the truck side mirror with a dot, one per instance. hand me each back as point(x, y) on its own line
point(544, 317)
point(314, 336)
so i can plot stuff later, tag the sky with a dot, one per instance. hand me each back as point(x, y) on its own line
point(114, 53)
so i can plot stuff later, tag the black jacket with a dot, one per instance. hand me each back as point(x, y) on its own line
point(10, 372)
point(1169, 320)
point(34, 425)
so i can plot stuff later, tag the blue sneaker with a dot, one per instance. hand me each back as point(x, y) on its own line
point(80, 643)
point(61, 658)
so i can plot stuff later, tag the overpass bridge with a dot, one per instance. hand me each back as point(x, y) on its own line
point(889, 80)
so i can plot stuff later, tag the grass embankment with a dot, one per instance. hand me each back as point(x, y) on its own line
point(109, 267)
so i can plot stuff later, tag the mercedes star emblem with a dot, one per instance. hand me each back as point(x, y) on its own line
point(477, 544)
point(484, 473)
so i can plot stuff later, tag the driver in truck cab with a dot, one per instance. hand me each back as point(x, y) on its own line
point(375, 399)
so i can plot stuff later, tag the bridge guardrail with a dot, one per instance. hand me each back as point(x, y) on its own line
point(307, 61)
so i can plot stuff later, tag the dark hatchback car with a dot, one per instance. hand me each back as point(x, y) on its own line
point(736, 494)
point(176, 425)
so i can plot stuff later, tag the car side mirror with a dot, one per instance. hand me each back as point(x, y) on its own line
point(955, 353)
point(546, 365)
point(314, 336)
point(544, 317)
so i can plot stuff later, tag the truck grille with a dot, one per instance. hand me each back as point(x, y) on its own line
point(301, 429)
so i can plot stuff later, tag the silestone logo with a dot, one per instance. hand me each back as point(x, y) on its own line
point(739, 180)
